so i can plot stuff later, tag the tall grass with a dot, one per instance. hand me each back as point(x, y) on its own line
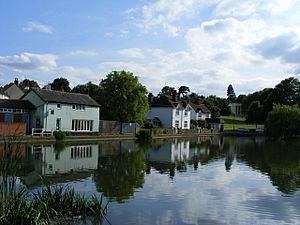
point(50, 205)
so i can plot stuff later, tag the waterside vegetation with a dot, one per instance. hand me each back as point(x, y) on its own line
point(49, 205)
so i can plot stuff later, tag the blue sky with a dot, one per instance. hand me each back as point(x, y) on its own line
point(203, 44)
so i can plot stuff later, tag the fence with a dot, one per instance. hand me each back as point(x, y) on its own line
point(12, 129)
point(115, 127)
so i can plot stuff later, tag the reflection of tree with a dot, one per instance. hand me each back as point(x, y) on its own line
point(118, 176)
point(280, 160)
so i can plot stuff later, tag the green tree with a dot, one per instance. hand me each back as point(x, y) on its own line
point(283, 122)
point(212, 104)
point(89, 88)
point(166, 90)
point(231, 97)
point(61, 84)
point(255, 113)
point(123, 98)
point(28, 83)
point(183, 91)
point(224, 107)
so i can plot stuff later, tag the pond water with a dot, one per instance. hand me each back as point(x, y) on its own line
point(207, 180)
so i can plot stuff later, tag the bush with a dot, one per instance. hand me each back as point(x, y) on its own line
point(144, 135)
point(283, 122)
point(59, 135)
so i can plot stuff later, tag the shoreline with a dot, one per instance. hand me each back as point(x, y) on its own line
point(71, 139)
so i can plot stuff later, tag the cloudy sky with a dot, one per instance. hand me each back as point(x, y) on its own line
point(203, 44)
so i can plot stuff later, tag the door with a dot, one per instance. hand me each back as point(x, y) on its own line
point(58, 124)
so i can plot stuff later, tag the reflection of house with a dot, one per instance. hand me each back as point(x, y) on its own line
point(70, 159)
point(64, 111)
point(199, 112)
point(235, 108)
point(15, 116)
point(169, 112)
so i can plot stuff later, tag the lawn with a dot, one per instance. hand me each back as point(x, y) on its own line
point(232, 123)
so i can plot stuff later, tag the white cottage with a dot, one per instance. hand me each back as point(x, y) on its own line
point(56, 110)
point(168, 112)
point(199, 112)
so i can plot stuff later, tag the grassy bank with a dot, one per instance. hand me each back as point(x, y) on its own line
point(232, 123)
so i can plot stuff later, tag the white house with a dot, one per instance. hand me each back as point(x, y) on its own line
point(199, 112)
point(56, 110)
point(235, 108)
point(168, 112)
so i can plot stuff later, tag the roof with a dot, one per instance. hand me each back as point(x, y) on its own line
point(64, 97)
point(16, 104)
point(200, 107)
point(164, 101)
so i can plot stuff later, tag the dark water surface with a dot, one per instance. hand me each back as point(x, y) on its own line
point(180, 181)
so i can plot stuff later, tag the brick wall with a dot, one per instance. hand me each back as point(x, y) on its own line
point(12, 129)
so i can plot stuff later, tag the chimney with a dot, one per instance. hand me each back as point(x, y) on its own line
point(150, 97)
point(16, 81)
point(174, 96)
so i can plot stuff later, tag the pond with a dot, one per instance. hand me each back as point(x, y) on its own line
point(206, 180)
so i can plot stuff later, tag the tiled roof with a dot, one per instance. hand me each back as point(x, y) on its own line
point(200, 107)
point(65, 97)
point(16, 104)
point(164, 101)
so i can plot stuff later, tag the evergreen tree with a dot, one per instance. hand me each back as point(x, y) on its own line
point(231, 97)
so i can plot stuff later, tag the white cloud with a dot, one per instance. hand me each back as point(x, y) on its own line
point(29, 61)
point(132, 53)
point(32, 26)
point(83, 53)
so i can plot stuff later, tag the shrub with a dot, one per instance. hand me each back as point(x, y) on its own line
point(144, 135)
point(59, 135)
point(283, 122)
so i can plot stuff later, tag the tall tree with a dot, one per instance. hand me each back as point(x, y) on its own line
point(89, 88)
point(255, 113)
point(231, 97)
point(61, 84)
point(183, 91)
point(28, 83)
point(123, 98)
point(212, 104)
point(167, 90)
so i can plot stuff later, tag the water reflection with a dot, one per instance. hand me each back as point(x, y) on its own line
point(119, 168)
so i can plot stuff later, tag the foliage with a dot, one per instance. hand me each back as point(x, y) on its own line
point(255, 113)
point(212, 104)
point(166, 90)
point(183, 90)
point(59, 135)
point(199, 123)
point(61, 84)
point(89, 88)
point(231, 97)
point(283, 122)
point(123, 98)
point(28, 83)
point(144, 135)
point(47, 206)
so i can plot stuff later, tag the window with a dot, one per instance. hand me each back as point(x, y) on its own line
point(177, 123)
point(78, 107)
point(177, 112)
point(52, 111)
point(73, 107)
point(185, 112)
point(185, 124)
point(82, 125)
point(58, 106)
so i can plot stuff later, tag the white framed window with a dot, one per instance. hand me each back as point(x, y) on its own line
point(185, 112)
point(82, 125)
point(185, 124)
point(177, 123)
point(177, 112)
point(58, 106)
point(73, 107)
